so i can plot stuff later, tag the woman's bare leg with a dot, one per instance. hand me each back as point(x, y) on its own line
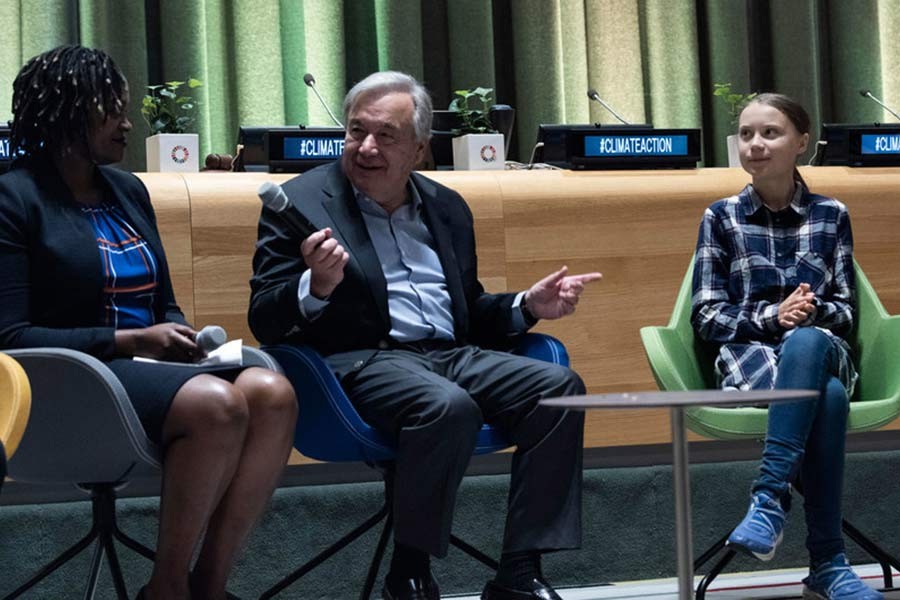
point(270, 433)
point(203, 434)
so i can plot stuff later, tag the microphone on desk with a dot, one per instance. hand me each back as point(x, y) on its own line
point(211, 337)
point(868, 94)
point(274, 198)
point(593, 95)
point(309, 80)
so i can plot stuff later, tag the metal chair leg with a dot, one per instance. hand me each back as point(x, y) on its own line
point(325, 554)
point(700, 594)
point(55, 564)
point(375, 565)
point(475, 553)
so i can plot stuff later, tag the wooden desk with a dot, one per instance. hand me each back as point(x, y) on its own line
point(637, 227)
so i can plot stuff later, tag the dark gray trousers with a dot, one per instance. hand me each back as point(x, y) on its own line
point(433, 403)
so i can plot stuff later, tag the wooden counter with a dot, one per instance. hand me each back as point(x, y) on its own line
point(637, 227)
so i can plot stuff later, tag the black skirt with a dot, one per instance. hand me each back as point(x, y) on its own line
point(152, 386)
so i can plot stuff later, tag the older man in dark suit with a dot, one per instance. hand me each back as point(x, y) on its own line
point(384, 284)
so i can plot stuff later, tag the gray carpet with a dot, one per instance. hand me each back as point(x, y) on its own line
point(628, 530)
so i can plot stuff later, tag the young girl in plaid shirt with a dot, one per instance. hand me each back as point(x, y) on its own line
point(773, 288)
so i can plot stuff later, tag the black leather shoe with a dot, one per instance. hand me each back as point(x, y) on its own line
point(417, 588)
point(537, 590)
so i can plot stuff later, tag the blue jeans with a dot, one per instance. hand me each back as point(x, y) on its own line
point(806, 438)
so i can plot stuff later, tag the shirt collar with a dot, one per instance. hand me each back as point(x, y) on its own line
point(412, 207)
point(751, 201)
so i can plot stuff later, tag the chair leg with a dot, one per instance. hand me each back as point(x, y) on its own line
point(375, 565)
point(711, 552)
point(55, 564)
point(713, 573)
point(885, 559)
point(103, 531)
point(96, 561)
point(475, 553)
point(327, 553)
point(115, 570)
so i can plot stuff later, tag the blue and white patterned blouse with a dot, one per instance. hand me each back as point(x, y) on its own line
point(129, 269)
point(749, 259)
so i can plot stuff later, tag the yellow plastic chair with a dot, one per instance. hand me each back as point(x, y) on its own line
point(15, 406)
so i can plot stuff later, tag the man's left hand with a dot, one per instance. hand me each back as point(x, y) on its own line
point(556, 295)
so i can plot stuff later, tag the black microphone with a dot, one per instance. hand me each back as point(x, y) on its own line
point(593, 95)
point(274, 198)
point(309, 80)
point(868, 94)
point(211, 337)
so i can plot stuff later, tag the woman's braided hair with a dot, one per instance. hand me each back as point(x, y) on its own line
point(58, 95)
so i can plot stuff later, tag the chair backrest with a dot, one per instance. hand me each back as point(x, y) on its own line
point(82, 428)
point(680, 361)
point(15, 403)
point(330, 429)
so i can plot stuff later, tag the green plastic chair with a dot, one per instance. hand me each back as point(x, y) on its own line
point(680, 361)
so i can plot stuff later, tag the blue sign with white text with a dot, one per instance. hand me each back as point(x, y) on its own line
point(878, 143)
point(313, 148)
point(4, 149)
point(635, 145)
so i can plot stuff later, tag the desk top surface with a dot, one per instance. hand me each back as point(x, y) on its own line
point(658, 399)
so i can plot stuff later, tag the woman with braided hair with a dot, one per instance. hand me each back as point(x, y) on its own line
point(74, 228)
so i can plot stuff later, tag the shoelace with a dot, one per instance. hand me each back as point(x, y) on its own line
point(843, 579)
point(761, 517)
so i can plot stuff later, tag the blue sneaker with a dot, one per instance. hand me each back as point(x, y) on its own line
point(761, 530)
point(835, 580)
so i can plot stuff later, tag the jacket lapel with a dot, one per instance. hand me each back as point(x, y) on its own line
point(438, 222)
point(340, 203)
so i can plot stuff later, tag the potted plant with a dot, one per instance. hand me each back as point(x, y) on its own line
point(476, 145)
point(170, 113)
point(735, 102)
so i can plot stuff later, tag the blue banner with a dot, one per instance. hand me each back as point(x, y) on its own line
point(596, 146)
point(313, 148)
point(876, 143)
point(4, 149)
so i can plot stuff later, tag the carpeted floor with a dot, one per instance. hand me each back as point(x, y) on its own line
point(628, 530)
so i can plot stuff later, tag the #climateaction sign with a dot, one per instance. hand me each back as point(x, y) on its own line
point(597, 146)
point(879, 144)
point(313, 148)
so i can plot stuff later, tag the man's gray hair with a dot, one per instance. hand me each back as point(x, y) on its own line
point(384, 82)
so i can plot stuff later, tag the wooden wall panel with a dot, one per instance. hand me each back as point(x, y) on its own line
point(637, 227)
point(169, 197)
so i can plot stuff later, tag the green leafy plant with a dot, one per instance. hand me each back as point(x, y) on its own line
point(733, 100)
point(474, 120)
point(166, 109)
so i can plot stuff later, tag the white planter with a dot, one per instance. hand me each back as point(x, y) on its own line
point(734, 154)
point(479, 151)
point(169, 152)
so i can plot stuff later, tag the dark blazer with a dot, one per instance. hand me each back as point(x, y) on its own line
point(357, 318)
point(51, 271)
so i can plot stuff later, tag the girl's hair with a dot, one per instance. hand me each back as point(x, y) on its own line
point(58, 94)
point(790, 108)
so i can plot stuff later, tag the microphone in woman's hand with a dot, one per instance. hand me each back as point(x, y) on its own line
point(211, 337)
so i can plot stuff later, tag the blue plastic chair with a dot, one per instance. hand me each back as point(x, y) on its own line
point(329, 429)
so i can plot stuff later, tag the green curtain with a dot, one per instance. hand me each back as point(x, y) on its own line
point(654, 61)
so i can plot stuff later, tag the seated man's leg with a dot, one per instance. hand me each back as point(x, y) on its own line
point(435, 423)
point(545, 487)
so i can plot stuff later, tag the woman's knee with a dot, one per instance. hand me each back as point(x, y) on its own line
point(807, 340)
point(269, 395)
point(207, 403)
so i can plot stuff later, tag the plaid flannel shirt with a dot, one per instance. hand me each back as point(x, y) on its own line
point(749, 259)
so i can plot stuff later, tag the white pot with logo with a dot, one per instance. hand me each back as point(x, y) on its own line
point(479, 151)
point(173, 152)
point(734, 153)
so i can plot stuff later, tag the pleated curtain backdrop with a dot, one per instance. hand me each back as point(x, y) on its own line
point(653, 60)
